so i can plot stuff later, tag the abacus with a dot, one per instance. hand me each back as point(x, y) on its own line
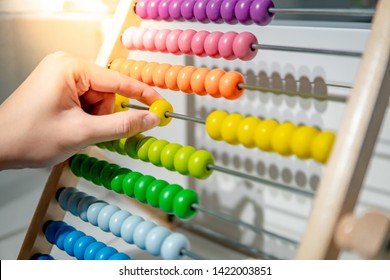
point(263, 147)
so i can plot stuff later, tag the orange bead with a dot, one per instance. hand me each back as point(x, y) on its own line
point(198, 81)
point(212, 82)
point(184, 79)
point(116, 63)
point(147, 73)
point(171, 77)
point(125, 66)
point(159, 75)
point(136, 69)
point(228, 85)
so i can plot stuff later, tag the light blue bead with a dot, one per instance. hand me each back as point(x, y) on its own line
point(94, 210)
point(61, 235)
point(173, 245)
point(116, 222)
point(70, 240)
point(63, 197)
point(105, 216)
point(92, 250)
point(155, 239)
point(128, 227)
point(140, 233)
point(105, 253)
point(119, 256)
point(73, 202)
point(84, 205)
point(81, 245)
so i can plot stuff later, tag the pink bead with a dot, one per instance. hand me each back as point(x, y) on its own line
point(148, 40)
point(152, 9)
point(127, 38)
point(160, 39)
point(184, 41)
point(141, 10)
point(242, 46)
point(211, 44)
point(172, 41)
point(225, 45)
point(163, 10)
point(138, 37)
point(197, 43)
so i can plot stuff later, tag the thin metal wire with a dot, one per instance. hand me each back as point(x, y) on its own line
point(191, 254)
point(325, 12)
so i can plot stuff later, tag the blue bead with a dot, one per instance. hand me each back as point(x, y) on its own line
point(70, 241)
point(93, 211)
point(84, 205)
point(61, 235)
point(155, 239)
point(51, 230)
point(81, 245)
point(64, 196)
point(73, 202)
point(128, 227)
point(119, 256)
point(43, 257)
point(105, 253)
point(105, 216)
point(173, 245)
point(92, 250)
point(116, 222)
point(140, 233)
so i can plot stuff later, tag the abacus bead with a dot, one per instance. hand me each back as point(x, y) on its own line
point(187, 9)
point(119, 100)
point(182, 156)
point(42, 257)
point(147, 73)
point(141, 186)
point(198, 41)
point(227, 11)
point(125, 67)
point(225, 45)
point(136, 69)
point(263, 134)
point(242, 46)
point(211, 44)
point(281, 138)
point(172, 41)
point(213, 10)
point(160, 107)
point(70, 241)
point(131, 145)
point(246, 131)
point(138, 38)
point(184, 41)
point(200, 11)
point(148, 40)
point(152, 9)
point(121, 171)
point(229, 128)
point(167, 155)
point(106, 174)
point(119, 145)
point(212, 82)
point(108, 146)
point(184, 79)
point(116, 222)
point(259, 11)
point(155, 238)
point(182, 204)
point(163, 9)
point(198, 164)
point(160, 39)
point(129, 183)
point(116, 183)
point(171, 77)
point(83, 206)
point(96, 170)
point(86, 167)
point(198, 81)
point(159, 75)
point(173, 245)
point(301, 141)
point(81, 245)
point(229, 85)
point(94, 210)
point(116, 63)
point(141, 8)
point(154, 153)
point(104, 216)
point(64, 197)
point(76, 162)
point(321, 146)
point(214, 123)
point(73, 202)
point(51, 229)
point(166, 197)
point(105, 253)
point(61, 235)
point(93, 249)
point(140, 233)
point(242, 11)
point(119, 256)
point(175, 9)
point(143, 148)
point(128, 227)
point(153, 192)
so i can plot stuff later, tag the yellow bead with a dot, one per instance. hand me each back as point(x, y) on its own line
point(119, 99)
point(246, 131)
point(301, 141)
point(281, 138)
point(214, 123)
point(321, 146)
point(230, 127)
point(263, 134)
point(160, 107)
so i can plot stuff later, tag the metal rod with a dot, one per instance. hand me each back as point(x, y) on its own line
point(184, 117)
point(191, 254)
point(324, 12)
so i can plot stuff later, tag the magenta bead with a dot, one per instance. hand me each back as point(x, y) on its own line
point(213, 10)
point(200, 11)
point(227, 11)
point(225, 45)
point(242, 11)
point(138, 38)
point(148, 40)
point(184, 41)
point(141, 9)
point(259, 11)
point(211, 44)
point(127, 38)
point(160, 39)
point(242, 46)
point(187, 9)
point(197, 43)
point(152, 9)
point(175, 9)
point(163, 9)
point(172, 41)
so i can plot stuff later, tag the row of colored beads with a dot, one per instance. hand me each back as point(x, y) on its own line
point(269, 135)
point(42, 257)
point(171, 198)
point(217, 11)
point(189, 79)
point(146, 235)
point(79, 245)
point(230, 45)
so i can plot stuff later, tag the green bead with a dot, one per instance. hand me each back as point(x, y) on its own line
point(143, 148)
point(109, 146)
point(101, 146)
point(153, 192)
point(106, 174)
point(167, 155)
point(182, 204)
point(129, 182)
point(181, 158)
point(85, 168)
point(131, 144)
point(198, 162)
point(76, 162)
point(167, 196)
point(154, 152)
point(141, 187)
point(96, 170)
point(116, 183)
point(119, 146)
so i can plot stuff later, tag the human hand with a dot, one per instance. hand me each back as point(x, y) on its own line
point(64, 106)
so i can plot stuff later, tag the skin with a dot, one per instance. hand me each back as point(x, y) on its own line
point(64, 106)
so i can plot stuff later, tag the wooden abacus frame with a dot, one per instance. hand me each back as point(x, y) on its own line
point(346, 168)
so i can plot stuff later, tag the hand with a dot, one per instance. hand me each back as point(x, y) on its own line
point(64, 106)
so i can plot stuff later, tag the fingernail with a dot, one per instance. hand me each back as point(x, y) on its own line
point(150, 120)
